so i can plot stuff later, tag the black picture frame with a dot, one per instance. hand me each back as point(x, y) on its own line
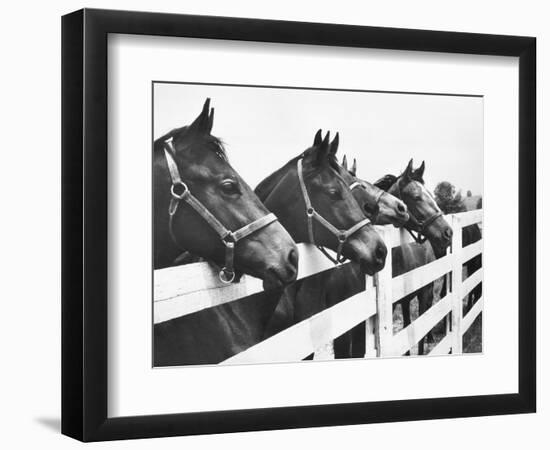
point(84, 224)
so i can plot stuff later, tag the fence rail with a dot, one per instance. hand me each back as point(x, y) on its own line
point(183, 290)
point(188, 289)
point(304, 338)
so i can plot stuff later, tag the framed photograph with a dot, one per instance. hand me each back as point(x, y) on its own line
point(273, 224)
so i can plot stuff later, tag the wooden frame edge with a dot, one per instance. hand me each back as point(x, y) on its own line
point(84, 225)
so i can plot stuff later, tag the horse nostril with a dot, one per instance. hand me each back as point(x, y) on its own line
point(293, 258)
point(401, 207)
point(380, 252)
point(448, 233)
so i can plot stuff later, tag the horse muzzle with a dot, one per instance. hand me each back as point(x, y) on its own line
point(370, 253)
point(283, 273)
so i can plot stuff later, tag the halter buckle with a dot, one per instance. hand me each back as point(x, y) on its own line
point(182, 194)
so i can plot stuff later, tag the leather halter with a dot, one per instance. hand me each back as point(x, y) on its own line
point(180, 192)
point(357, 184)
point(341, 235)
point(419, 226)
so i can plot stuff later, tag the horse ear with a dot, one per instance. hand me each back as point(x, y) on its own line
point(318, 138)
point(408, 170)
point(210, 121)
point(418, 174)
point(318, 154)
point(323, 150)
point(334, 144)
point(353, 170)
point(202, 122)
point(345, 163)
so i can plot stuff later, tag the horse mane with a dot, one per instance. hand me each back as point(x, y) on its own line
point(266, 186)
point(213, 143)
point(386, 182)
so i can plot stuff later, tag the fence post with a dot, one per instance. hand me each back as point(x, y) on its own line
point(448, 283)
point(384, 302)
point(370, 325)
point(456, 341)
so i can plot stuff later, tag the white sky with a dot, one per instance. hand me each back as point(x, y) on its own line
point(265, 127)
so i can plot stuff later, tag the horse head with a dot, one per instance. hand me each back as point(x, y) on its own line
point(315, 204)
point(211, 212)
point(425, 216)
point(380, 207)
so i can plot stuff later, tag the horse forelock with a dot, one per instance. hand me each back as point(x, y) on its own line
point(419, 179)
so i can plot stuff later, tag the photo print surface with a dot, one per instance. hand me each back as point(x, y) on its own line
point(296, 224)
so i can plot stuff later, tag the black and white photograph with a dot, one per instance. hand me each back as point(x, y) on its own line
point(275, 225)
point(304, 224)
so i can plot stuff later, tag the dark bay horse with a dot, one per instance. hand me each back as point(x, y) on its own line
point(198, 199)
point(314, 294)
point(314, 203)
point(317, 294)
point(433, 236)
point(202, 205)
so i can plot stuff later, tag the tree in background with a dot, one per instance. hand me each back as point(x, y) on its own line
point(448, 198)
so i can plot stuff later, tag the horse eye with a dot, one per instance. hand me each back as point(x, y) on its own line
point(229, 187)
point(334, 194)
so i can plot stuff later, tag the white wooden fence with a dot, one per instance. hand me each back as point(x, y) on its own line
point(183, 290)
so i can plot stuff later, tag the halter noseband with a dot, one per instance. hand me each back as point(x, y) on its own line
point(341, 235)
point(419, 225)
point(180, 192)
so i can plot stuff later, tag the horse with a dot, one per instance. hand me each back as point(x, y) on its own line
point(202, 205)
point(314, 203)
point(327, 290)
point(433, 235)
point(280, 193)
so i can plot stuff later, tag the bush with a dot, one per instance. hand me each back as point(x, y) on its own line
point(448, 199)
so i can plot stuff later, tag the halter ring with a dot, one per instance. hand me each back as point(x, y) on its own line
point(175, 194)
point(229, 239)
point(179, 191)
point(223, 274)
point(342, 237)
point(310, 212)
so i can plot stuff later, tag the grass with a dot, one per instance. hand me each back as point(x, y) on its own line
point(471, 342)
